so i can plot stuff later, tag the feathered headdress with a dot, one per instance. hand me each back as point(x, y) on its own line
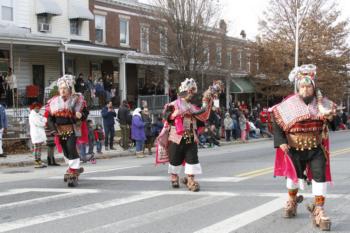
point(188, 85)
point(303, 74)
point(68, 80)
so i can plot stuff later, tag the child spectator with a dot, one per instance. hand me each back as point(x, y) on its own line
point(228, 126)
point(37, 132)
point(99, 138)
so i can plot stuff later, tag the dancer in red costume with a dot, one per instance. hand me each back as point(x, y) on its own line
point(65, 114)
point(301, 139)
point(178, 138)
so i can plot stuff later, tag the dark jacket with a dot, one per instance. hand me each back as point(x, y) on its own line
point(124, 115)
point(108, 117)
point(148, 125)
point(3, 117)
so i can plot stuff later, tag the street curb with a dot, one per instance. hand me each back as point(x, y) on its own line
point(116, 155)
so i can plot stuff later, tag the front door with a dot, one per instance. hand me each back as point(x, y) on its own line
point(39, 80)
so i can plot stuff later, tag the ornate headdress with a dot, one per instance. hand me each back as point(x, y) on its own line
point(68, 80)
point(189, 85)
point(303, 74)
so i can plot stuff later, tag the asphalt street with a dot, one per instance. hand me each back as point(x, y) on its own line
point(238, 194)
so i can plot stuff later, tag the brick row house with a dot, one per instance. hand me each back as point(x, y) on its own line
point(42, 39)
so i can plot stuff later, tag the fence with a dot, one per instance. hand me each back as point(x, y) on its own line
point(155, 103)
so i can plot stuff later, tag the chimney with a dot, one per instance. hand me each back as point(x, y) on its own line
point(223, 25)
point(243, 34)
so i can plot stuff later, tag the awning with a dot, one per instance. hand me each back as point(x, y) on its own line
point(11, 34)
point(87, 49)
point(79, 10)
point(241, 85)
point(47, 7)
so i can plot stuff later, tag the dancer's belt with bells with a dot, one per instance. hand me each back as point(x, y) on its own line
point(304, 141)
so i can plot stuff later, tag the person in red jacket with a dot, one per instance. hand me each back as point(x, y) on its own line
point(99, 138)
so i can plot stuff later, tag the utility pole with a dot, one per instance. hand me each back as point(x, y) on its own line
point(296, 47)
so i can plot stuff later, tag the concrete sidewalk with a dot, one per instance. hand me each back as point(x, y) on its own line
point(27, 159)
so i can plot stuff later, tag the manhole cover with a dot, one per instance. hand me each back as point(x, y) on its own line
point(16, 172)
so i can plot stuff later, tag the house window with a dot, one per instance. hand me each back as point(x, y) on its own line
point(74, 27)
point(163, 46)
point(229, 58)
point(100, 28)
point(144, 39)
point(44, 23)
point(124, 31)
point(6, 10)
point(218, 55)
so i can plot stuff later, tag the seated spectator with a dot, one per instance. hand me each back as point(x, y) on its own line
point(254, 132)
point(263, 128)
point(208, 137)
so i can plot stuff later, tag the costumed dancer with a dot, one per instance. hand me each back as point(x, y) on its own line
point(301, 139)
point(178, 139)
point(65, 113)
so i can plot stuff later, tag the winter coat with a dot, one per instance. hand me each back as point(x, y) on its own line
point(3, 117)
point(148, 125)
point(228, 123)
point(137, 128)
point(108, 117)
point(124, 115)
point(37, 127)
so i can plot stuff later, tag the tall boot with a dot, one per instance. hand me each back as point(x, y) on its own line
point(290, 209)
point(191, 184)
point(51, 158)
point(318, 215)
point(49, 161)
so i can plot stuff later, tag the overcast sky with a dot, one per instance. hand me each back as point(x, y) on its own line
point(245, 14)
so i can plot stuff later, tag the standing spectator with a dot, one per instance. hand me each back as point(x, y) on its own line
point(228, 122)
point(91, 138)
point(108, 83)
point(157, 127)
point(234, 127)
point(108, 115)
point(90, 92)
point(99, 137)
point(80, 84)
point(2, 85)
point(148, 131)
point(3, 127)
point(37, 132)
point(11, 90)
point(124, 118)
point(138, 132)
point(50, 143)
point(243, 127)
point(100, 92)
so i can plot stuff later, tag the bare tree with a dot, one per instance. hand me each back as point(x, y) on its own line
point(187, 25)
point(322, 41)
